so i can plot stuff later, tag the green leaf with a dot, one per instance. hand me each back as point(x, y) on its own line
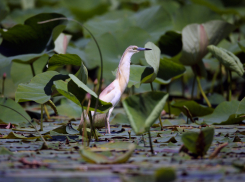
point(9, 116)
point(19, 76)
point(192, 13)
point(165, 174)
point(5, 151)
point(225, 113)
point(194, 108)
point(76, 91)
point(170, 43)
point(79, 89)
point(96, 158)
point(153, 59)
point(169, 69)
point(13, 135)
point(198, 143)
point(4, 10)
point(228, 59)
point(71, 130)
point(120, 119)
point(32, 37)
point(144, 109)
point(39, 88)
point(60, 60)
point(139, 74)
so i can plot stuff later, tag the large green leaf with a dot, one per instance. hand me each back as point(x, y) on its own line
point(198, 143)
point(165, 174)
point(170, 43)
point(153, 59)
point(228, 59)
point(169, 69)
point(22, 73)
point(144, 109)
point(225, 113)
point(9, 116)
point(196, 38)
point(139, 74)
point(32, 37)
point(59, 60)
point(76, 91)
point(194, 108)
point(192, 13)
point(39, 88)
point(4, 10)
point(154, 20)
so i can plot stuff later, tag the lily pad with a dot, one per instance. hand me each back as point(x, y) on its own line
point(144, 109)
point(225, 113)
point(194, 108)
point(153, 59)
point(198, 143)
point(39, 88)
point(32, 37)
point(9, 116)
point(169, 69)
point(97, 158)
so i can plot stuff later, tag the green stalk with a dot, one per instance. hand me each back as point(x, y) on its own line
point(183, 86)
point(149, 135)
point(193, 87)
point(92, 126)
point(221, 83)
point(32, 69)
point(229, 76)
point(169, 109)
point(41, 122)
point(213, 80)
point(4, 77)
point(202, 92)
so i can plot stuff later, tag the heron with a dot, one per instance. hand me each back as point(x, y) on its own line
point(113, 92)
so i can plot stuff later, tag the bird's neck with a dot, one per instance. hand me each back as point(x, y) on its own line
point(123, 70)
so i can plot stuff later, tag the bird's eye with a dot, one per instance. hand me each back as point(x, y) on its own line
point(134, 48)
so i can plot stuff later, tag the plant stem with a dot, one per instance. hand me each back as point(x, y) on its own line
point(46, 111)
point(202, 92)
point(221, 83)
point(193, 87)
point(32, 69)
point(41, 122)
point(169, 109)
point(229, 76)
point(149, 135)
point(92, 126)
point(152, 87)
point(213, 80)
point(3, 86)
point(183, 86)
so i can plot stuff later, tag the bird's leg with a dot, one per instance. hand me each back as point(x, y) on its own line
point(108, 121)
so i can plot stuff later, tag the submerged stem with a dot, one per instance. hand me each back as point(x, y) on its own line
point(202, 92)
point(41, 122)
point(149, 135)
point(229, 76)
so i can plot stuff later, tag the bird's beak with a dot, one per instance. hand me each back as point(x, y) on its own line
point(143, 49)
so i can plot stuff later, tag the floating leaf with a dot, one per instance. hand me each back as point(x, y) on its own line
point(153, 59)
point(198, 143)
point(70, 129)
point(96, 158)
point(169, 69)
point(13, 135)
point(165, 174)
point(228, 59)
point(225, 113)
point(5, 151)
point(144, 109)
point(32, 37)
point(39, 88)
point(194, 108)
point(9, 116)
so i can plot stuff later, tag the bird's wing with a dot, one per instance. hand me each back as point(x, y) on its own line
point(109, 93)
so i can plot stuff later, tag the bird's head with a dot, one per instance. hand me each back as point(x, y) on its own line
point(136, 49)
